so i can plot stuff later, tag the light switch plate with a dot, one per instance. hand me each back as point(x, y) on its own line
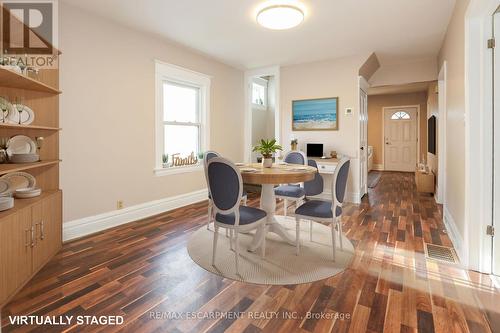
point(348, 111)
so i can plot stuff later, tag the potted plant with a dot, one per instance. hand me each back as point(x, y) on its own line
point(267, 148)
point(294, 144)
point(164, 158)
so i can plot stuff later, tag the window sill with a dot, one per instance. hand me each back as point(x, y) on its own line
point(177, 170)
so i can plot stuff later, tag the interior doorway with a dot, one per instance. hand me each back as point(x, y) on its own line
point(363, 136)
point(400, 138)
point(262, 115)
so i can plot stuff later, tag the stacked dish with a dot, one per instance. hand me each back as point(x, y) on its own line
point(6, 203)
point(19, 184)
point(24, 158)
point(25, 193)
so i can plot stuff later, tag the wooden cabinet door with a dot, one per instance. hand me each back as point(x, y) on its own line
point(47, 220)
point(15, 252)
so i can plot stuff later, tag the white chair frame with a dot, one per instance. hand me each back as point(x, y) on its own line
point(236, 228)
point(299, 200)
point(335, 222)
point(210, 204)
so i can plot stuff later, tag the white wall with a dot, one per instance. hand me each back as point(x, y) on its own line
point(333, 78)
point(452, 51)
point(418, 70)
point(107, 114)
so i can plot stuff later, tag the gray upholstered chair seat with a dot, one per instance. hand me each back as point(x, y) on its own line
point(247, 215)
point(290, 191)
point(317, 208)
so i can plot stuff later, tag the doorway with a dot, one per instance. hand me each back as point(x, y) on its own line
point(262, 116)
point(363, 136)
point(400, 138)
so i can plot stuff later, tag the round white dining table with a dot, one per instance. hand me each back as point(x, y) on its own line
point(256, 174)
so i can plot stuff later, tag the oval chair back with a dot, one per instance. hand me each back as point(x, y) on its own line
point(225, 185)
point(295, 157)
point(207, 157)
point(315, 186)
point(339, 184)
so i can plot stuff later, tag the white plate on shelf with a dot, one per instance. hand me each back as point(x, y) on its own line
point(6, 203)
point(27, 116)
point(19, 180)
point(25, 193)
point(4, 187)
point(21, 144)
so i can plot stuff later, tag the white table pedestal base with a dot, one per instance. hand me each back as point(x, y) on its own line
point(268, 204)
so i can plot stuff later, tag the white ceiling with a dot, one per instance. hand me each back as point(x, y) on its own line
point(397, 30)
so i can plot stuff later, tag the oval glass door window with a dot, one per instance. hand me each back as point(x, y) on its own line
point(400, 115)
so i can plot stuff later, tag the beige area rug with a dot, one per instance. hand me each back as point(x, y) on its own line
point(280, 266)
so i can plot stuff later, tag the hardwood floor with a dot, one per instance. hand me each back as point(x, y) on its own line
point(142, 271)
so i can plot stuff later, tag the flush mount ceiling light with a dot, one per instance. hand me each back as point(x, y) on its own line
point(280, 17)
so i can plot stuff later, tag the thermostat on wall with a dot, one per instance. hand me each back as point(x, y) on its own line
point(348, 111)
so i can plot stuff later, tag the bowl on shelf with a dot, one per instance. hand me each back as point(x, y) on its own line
point(24, 158)
point(6, 203)
point(25, 193)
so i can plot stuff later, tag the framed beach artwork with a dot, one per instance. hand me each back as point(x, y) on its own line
point(320, 114)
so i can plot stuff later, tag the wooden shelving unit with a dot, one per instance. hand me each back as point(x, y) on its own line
point(31, 232)
point(29, 127)
point(6, 168)
point(11, 79)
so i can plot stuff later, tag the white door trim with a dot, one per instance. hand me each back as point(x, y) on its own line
point(478, 135)
point(417, 106)
point(441, 130)
point(247, 121)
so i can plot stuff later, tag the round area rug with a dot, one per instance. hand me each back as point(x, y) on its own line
point(280, 266)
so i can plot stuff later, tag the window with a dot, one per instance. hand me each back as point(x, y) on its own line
point(259, 92)
point(181, 115)
point(400, 115)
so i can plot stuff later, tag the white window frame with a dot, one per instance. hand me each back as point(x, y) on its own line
point(263, 83)
point(165, 72)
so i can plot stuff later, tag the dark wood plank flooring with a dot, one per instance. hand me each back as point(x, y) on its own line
point(143, 272)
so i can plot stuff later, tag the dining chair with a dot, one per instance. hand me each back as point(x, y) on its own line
point(207, 157)
point(226, 188)
point(326, 211)
point(313, 188)
point(293, 192)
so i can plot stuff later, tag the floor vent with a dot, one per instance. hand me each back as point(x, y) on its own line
point(442, 253)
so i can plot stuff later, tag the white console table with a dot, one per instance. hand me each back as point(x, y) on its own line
point(326, 167)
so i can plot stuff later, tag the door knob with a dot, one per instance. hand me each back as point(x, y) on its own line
point(362, 148)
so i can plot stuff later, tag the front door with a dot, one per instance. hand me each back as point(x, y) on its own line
point(400, 139)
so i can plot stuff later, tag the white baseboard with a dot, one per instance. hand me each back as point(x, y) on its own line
point(92, 224)
point(378, 167)
point(454, 235)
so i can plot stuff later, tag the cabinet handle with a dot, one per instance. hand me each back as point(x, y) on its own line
point(32, 236)
point(42, 230)
point(27, 242)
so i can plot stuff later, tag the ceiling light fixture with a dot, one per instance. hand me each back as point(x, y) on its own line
point(280, 17)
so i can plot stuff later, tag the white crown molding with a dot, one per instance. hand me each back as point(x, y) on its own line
point(92, 224)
